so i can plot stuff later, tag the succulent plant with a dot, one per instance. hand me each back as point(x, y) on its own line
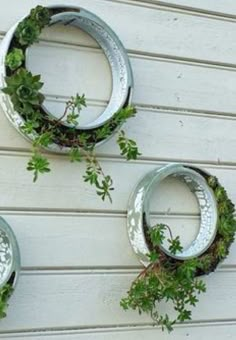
point(40, 15)
point(15, 59)
point(177, 282)
point(23, 88)
point(27, 32)
point(213, 182)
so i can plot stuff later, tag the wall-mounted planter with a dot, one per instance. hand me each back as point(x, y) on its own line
point(139, 214)
point(9, 256)
point(115, 52)
point(9, 265)
point(171, 273)
point(22, 101)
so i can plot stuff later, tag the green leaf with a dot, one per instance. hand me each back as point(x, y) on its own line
point(29, 126)
point(5, 294)
point(44, 139)
point(153, 256)
point(27, 32)
point(188, 268)
point(175, 245)
point(184, 315)
point(127, 146)
point(79, 101)
point(212, 182)
point(72, 119)
point(166, 323)
point(105, 187)
point(75, 154)
point(200, 286)
point(103, 132)
point(157, 234)
point(40, 16)
point(95, 176)
point(15, 58)
point(220, 194)
point(124, 114)
point(38, 164)
point(23, 89)
point(221, 249)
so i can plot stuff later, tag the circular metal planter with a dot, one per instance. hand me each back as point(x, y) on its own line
point(9, 256)
point(139, 215)
point(114, 50)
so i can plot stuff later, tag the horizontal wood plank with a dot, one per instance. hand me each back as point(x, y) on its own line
point(88, 240)
point(76, 257)
point(81, 300)
point(216, 330)
point(159, 134)
point(71, 193)
point(157, 82)
point(171, 33)
point(226, 7)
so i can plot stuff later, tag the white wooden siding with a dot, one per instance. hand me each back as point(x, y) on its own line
point(76, 258)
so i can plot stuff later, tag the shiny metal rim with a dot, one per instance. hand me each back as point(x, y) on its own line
point(138, 211)
point(114, 50)
point(9, 255)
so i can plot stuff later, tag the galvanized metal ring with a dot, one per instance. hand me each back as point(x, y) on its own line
point(139, 214)
point(111, 45)
point(9, 256)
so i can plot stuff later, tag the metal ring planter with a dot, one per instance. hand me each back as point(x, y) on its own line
point(170, 276)
point(114, 51)
point(138, 211)
point(9, 256)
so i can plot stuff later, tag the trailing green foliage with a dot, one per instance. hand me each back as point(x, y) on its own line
point(174, 281)
point(38, 164)
point(24, 90)
point(5, 293)
point(127, 146)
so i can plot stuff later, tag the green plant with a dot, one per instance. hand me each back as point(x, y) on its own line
point(15, 59)
point(174, 281)
point(29, 29)
point(128, 146)
point(40, 16)
point(24, 90)
point(5, 293)
point(27, 32)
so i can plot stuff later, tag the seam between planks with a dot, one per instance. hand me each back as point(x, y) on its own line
point(188, 10)
point(155, 108)
point(5, 152)
point(146, 56)
point(112, 329)
point(184, 9)
point(204, 63)
point(119, 271)
point(90, 213)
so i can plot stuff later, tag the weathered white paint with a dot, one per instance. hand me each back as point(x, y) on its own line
point(176, 128)
point(75, 251)
point(173, 83)
point(226, 7)
point(219, 331)
point(86, 240)
point(171, 32)
point(91, 298)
